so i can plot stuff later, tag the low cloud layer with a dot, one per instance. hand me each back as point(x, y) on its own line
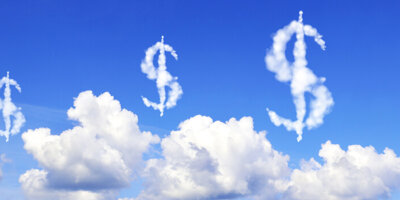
point(93, 159)
point(12, 115)
point(202, 159)
point(36, 186)
point(358, 173)
point(206, 159)
point(162, 77)
point(301, 78)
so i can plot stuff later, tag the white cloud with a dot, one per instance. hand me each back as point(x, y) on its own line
point(206, 159)
point(211, 160)
point(12, 115)
point(100, 154)
point(162, 76)
point(301, 78)
point(203, 159)
point(356, 174)
point(36, 186)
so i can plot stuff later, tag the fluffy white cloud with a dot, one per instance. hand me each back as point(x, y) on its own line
point(36, 186)
point(203, 159)
point(301, 78)
point(356, 174)
point(206, 159)
point(12, 115)
point(162, 76)
point(96, 157)
point(213, 160)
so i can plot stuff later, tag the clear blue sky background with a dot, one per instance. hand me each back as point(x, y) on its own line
point(57, 49)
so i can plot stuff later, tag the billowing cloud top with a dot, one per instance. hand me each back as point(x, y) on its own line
point(100, 154)
point(301, 78)
point(162, 76)
point(215, 160)
point(206, 159)
point(358, 173)
point(12, 115)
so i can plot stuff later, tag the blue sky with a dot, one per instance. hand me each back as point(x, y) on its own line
point(57, 49)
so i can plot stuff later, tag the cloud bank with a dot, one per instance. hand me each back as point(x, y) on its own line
point(202, 159)
point(12, 115)
point(206, 159)
point(301, 78)
point(358, 173)
point(162, 76)
point(90, 161)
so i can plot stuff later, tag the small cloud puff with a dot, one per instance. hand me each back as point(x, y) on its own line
point(3, 159)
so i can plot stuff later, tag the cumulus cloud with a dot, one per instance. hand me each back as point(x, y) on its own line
point(301, 78)
point(202, 159)
point(162, 77)
point(206, 159)
point(36, 186)
point(97, 157)
point(356, 174)
point(12, 115)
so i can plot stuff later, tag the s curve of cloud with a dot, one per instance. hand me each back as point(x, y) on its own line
point(301, 78)
point(12, 115)
point(162, 76)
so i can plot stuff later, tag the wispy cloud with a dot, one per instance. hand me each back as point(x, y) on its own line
point(301, 78)
point(162, 77)
point(3, 159)
point(12, 115)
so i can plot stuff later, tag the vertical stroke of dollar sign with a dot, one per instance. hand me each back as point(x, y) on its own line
point(301, 78)
point(9, 109)
point(162, 77)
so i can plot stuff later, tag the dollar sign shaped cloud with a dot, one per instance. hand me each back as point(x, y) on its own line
point(12, 126)
point(301, 78)
point(162, 77)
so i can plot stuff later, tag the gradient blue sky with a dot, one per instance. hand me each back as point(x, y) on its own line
point(56, 49)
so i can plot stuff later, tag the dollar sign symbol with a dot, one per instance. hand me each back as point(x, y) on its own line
point(301, 78)
point(162, 77)
point(9, 109)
